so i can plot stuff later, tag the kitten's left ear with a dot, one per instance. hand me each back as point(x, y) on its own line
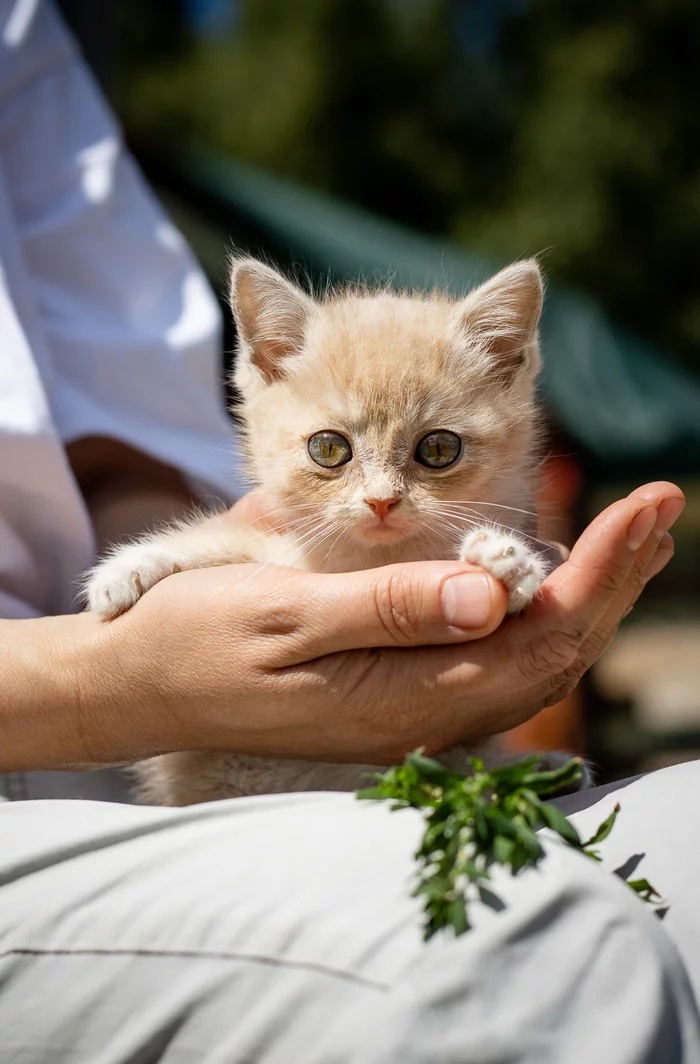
point(500, 319)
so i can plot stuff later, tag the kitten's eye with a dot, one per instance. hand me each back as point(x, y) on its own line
point(329, 449)
point(438, 449)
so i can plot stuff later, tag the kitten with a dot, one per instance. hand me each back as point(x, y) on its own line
point(386, 428)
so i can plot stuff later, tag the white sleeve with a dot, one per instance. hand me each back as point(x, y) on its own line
point(133, 330)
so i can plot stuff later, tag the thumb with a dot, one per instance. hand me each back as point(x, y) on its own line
point(410, 605)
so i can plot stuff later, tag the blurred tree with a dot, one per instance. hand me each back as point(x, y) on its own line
point(515, 126)
point(347, 95)
point(606, 158)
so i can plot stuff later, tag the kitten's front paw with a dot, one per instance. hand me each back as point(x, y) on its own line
point(509, 558)
point(120, 580)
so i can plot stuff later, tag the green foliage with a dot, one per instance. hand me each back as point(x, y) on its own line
point(477, 821)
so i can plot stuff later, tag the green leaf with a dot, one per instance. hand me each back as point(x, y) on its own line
point(501, 824)
point(430, 770)
point(554, 819)
point(554, 779)
point(515, 772)
point(503, 849)
point(458, 916)
point(481, 824)
point(604, 829)
point(476, 822)
point(644, 888)
point(530, 843)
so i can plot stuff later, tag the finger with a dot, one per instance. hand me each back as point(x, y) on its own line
point(652, 557)
point(421, 604)
point(579, 593)
point(581, 600)
point(650, 565)
point(555, 553)
point(655, 555)
point(664, 552)
point(665, 496)
point(255, 508)
point(496, 666)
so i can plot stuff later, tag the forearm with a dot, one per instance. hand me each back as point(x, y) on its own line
point(57, 705)
point(126, 492)
point(62, 698)
point(124, 511)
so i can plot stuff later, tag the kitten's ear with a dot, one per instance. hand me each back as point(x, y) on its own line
point(271, 316)
point(500, 318)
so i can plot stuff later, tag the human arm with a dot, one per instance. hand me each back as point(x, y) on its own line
point(125, 491)
point(347, 667)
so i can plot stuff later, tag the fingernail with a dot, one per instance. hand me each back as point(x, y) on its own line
point(466, 600)
point(668, 513)
point(641, 527)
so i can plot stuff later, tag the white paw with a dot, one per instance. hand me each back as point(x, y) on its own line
point(510, 559)
point(121, 579)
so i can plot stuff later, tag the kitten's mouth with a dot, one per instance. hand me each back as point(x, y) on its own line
point(386, 531)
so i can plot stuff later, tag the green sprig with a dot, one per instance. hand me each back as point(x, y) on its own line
point(481, 820)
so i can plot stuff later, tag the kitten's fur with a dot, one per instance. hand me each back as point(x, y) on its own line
point(383, 370)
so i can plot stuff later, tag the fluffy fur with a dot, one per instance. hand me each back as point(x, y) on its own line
point(383, 370)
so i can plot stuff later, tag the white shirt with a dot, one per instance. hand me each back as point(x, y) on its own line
point(107, 326)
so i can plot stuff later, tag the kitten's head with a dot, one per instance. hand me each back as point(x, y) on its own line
point(373, 413)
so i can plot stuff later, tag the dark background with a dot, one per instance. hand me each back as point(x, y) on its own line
point(517, 127)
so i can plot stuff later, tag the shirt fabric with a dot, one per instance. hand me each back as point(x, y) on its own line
point(107, 328)
point(282, 930)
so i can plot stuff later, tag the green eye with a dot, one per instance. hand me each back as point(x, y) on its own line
point(438, 450)
point(329, 449)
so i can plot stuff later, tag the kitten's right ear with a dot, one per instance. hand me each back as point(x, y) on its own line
point(271, 315)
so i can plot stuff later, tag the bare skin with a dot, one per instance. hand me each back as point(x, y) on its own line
point(126, 491)
point(356, 667)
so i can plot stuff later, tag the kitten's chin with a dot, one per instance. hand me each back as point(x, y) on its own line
point(382, 533)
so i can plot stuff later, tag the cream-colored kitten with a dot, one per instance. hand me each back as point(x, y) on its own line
point(386, 428)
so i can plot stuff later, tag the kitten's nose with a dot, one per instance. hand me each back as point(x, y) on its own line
point(381, 507)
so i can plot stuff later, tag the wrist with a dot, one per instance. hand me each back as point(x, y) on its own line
point(58, 697)
point(40, 723)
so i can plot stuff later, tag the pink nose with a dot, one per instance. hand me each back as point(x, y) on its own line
point(381, 507)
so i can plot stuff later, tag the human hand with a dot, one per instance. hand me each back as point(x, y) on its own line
point(363, 667)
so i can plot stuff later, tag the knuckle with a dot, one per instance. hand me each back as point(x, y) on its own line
point(567, 683)
point(608, 582)
point(278, 620)
point(349, 678)
point(598, 643)
point(550, 653)
point(637, 580)
point(353, 674)
point(397, 608)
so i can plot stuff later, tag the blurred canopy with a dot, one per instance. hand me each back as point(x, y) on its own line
point(511, 127)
